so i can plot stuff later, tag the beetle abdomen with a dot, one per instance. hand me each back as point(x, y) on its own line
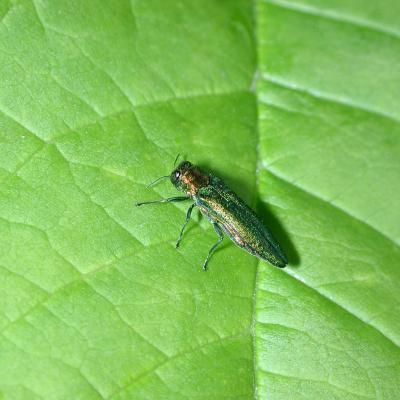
point(239, 221)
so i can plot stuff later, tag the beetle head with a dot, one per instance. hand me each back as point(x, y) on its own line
point(179, 176)
point(188, 178)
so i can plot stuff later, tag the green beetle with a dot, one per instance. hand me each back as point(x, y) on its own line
point(227, 212)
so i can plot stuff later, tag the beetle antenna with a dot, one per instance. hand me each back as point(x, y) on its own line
point(176, 159)
point(157, 180)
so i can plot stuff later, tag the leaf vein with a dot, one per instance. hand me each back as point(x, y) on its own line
point(337, 17)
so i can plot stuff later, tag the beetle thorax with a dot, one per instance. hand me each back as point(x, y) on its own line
point(194, 179)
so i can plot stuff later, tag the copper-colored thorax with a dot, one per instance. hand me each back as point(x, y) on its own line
point(195, 179)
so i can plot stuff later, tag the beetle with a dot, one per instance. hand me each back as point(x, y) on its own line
point(227, 212)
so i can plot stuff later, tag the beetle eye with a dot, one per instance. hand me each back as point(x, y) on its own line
point(177, 174)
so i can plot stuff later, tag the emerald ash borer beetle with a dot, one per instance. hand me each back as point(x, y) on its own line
point(226, 211)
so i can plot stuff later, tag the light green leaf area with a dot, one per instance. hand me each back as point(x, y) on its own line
point(329, 125)
point(96, 101)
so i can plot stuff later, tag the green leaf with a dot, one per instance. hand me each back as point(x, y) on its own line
point(329, 124)
point(97, 99)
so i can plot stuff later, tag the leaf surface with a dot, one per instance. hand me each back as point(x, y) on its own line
point(96, 101)
point(329, 128)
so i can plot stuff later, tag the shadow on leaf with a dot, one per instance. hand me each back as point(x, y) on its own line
point(278, 232)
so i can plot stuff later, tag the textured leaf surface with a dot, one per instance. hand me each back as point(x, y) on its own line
point(96, 100)
point(329, 127)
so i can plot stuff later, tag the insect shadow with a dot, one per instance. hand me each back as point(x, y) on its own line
point(266, 215)
point(243, 188)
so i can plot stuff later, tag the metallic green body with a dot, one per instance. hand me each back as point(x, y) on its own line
point(227, 212)
point(220, 204)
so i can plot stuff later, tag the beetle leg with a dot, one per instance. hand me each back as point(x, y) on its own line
point(220, 238)
point(170, 200)
point(189, 212)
